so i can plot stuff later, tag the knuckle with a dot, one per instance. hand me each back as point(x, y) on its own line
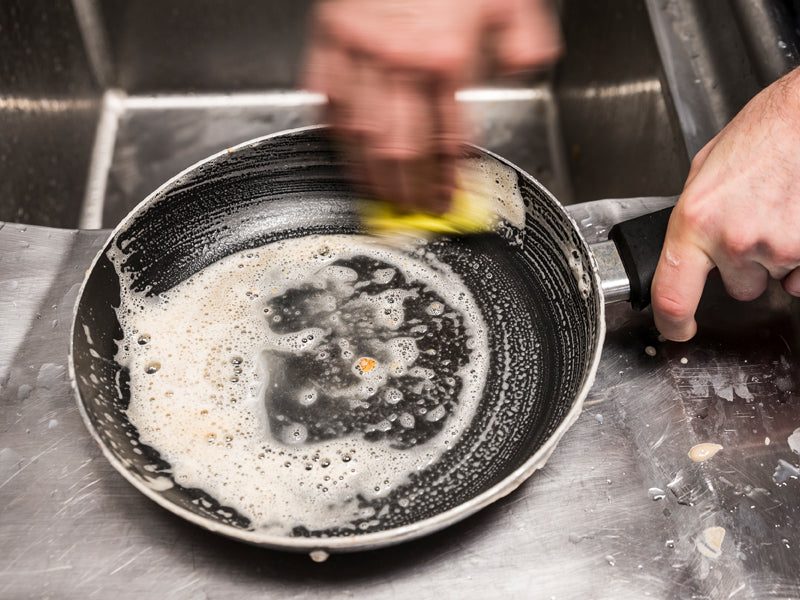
point(697, 161)
point(670, 306)
point(693, 211)
point(737, 243)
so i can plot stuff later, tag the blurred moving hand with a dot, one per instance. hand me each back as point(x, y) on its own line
point(739, 212)
point(390, 69)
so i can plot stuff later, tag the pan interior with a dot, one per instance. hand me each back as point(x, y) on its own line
point(532, 287)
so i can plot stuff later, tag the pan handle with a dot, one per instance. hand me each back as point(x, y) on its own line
point(628, 261)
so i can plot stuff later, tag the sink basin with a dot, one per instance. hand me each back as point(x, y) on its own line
point(102, 101)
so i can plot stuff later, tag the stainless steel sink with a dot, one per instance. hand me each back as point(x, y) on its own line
point(102, 101)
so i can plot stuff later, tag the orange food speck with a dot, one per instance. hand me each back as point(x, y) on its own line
point(366, 365)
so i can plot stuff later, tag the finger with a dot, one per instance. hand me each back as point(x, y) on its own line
point(404, 149)
point(791, 282)
point(449, 135)
point(328, 65)
point(677, 286)
point(330, 70)
point(743, 281)
point(345, 74)
point(406, 141)
point(367, 97)
point(352, 158)
point(335, 73)
point(369, 124)
point(373, 103)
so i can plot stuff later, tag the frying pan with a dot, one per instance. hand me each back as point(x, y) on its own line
point(537, 287)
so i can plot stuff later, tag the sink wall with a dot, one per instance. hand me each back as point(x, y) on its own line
point(204, 45)
point(620, 130)
point(49, 105)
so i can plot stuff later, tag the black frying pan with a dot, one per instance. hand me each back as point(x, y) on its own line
point(538, 289)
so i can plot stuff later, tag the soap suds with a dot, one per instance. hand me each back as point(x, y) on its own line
point(294, 381)
point(702, 452)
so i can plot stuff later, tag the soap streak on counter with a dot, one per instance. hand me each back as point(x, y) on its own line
point(71, 527)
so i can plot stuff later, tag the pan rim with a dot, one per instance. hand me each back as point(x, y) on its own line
point(366, 541)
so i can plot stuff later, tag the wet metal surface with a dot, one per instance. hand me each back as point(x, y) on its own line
point(621, 135)
point(717, 54)
point(620, 510)
point(155, 137)
point(48, 110)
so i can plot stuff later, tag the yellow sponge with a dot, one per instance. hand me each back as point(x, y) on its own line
point(468, 213)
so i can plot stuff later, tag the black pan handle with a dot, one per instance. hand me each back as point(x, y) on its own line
point(639, 243)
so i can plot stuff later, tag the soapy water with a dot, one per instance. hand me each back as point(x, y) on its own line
point(297, 381)
point(375, 359)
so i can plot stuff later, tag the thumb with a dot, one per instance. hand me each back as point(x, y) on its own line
point(677, 287)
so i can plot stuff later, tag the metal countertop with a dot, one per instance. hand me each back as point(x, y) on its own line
point(620, 510)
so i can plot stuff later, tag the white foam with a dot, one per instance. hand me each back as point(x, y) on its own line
point(204, 408)
point(497, 183)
